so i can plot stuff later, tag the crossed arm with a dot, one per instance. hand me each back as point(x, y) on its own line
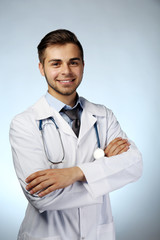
point(49, 180)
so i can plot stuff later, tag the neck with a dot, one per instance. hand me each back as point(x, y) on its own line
point(69, 100)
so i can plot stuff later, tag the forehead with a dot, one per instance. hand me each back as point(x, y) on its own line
point(66, 51)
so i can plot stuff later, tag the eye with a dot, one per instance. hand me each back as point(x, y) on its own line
point(74, 63)
point(55, 64)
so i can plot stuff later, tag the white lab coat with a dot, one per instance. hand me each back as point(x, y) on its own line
point(82, 210)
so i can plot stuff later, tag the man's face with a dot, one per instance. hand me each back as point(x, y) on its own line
point(63, 69)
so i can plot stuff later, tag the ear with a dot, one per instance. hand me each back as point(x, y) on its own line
point(41, 68)
point(83, 65)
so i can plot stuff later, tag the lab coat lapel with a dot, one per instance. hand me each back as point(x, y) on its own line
point(89, 116)
point(42, 111)
point(63, 125)
point(87, 122)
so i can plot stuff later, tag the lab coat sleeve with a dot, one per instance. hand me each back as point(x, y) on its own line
point(29, 157)
point(107, 174)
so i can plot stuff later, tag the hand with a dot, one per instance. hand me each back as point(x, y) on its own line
point(49, 180)
point(117, 146)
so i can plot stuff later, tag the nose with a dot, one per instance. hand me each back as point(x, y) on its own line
point(66, 69)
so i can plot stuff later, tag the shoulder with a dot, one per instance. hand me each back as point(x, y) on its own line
point(28, 116)
point(95, 109)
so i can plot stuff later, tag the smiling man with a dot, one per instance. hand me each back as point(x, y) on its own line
point(63, 67)
point(69, 153)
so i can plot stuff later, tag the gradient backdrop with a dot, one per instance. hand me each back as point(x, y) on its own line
point(121, 40)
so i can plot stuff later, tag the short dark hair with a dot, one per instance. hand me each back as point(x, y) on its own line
point(60, 37)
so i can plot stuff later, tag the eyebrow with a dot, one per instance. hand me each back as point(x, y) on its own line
point(59, 60)
point(54, 60)
point(72, 59)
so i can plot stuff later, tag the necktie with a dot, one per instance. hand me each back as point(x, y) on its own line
point(73, 114)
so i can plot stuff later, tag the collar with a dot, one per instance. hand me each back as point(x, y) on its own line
point(54, 102)
point(42, 109)
point(58, 105)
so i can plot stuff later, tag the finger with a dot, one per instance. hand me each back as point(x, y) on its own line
point(116, 146)
point(40, 187)
point(121, 148)
point(35, 175)
point(47, 190)
point(111, 144)
point(36, 182)
point(125, 149)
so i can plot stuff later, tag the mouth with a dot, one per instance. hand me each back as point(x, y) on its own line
point(66, 80)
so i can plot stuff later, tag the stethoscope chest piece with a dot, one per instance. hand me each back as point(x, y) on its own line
point(98, 153)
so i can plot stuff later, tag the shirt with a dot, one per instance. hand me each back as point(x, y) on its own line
point(58, 105)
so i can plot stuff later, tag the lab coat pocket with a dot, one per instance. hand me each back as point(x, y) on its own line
point(28, 237)
point(106, 231)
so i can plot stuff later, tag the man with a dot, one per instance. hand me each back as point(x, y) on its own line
point(65, 181)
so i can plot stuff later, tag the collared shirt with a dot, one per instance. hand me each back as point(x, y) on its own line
point(58, 105)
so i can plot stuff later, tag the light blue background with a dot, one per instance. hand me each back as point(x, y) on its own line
point(121, 40)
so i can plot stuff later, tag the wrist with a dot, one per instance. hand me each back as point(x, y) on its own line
point(79, 175)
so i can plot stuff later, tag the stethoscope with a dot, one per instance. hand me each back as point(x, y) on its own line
point(98, 153)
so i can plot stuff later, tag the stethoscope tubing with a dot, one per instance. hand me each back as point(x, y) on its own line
point(97, 135)
point(53, 120)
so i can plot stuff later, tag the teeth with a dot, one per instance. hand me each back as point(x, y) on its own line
point(66, 81)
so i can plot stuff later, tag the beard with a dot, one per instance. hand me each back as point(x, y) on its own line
point(65, 90)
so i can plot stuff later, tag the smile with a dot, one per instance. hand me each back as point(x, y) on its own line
point(66, 81)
